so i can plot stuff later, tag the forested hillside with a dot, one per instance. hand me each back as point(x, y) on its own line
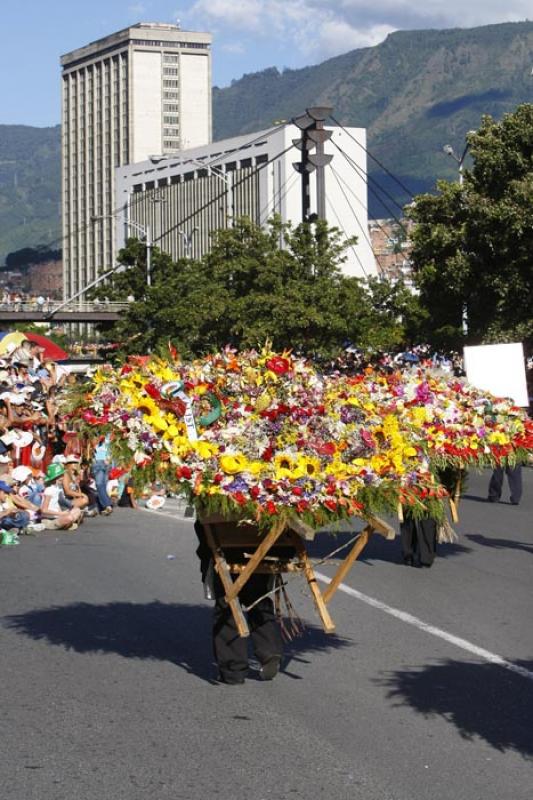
point(415, 92)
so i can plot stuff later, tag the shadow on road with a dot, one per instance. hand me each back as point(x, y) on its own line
point(378, 548)
point(511, 544)
point(481, 700)
point(178, 633)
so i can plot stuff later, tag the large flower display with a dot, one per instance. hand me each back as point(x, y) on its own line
point(262, 434)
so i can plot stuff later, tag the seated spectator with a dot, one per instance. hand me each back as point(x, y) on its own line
point(11, 518)
point(73, 494)
point(53, 516)
point(28, 485)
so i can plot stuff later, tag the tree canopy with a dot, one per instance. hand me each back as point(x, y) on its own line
point(279, 283)
point(473, 243)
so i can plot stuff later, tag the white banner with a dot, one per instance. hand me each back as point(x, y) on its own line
point(499, 369)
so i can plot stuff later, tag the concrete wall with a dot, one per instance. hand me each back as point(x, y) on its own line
point(195, 115)
point(147, 107)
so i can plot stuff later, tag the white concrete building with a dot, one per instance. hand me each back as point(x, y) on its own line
point(180, 200)
point(143, 90)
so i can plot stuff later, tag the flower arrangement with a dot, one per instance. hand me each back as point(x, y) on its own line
point(261, 434)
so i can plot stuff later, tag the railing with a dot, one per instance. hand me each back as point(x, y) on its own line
point(75, 306)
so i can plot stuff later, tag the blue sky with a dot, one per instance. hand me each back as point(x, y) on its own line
point(250, 35)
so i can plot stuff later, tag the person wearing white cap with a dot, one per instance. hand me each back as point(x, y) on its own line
point(24, 497)
point(29, 487)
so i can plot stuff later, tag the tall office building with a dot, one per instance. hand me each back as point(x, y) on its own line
point(142, 91)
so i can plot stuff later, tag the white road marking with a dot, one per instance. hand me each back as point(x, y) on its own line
point(404, 616)
point(464, 644)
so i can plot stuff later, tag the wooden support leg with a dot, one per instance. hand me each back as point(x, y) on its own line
point(224, 574)
point(255, 560)
point(348, 562)
point(323, 613)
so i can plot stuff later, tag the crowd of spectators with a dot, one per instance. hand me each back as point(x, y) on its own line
point(353, 361)
point(48, 476)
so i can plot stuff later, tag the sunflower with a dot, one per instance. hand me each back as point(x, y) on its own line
point(286, 466)
point(308, 466)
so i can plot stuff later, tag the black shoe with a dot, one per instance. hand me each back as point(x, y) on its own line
point(514, 502)
point(493, 499)
point(408, 561)
point(236, 680)
point(270, 668)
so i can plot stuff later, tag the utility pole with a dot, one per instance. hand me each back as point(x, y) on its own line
point(313, 136)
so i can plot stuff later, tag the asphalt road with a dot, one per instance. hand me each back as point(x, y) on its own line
point(108, 689)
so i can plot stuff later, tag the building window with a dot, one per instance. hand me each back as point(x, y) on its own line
point(171, 120)
point(170, 71)
point(171, 95)
point(169, 59)
point(171, 84)
point(171, 131)
point(171, 107)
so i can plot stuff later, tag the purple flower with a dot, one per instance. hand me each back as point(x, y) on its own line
point(237, 485)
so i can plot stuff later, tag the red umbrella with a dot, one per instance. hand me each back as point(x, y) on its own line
point(52, 351)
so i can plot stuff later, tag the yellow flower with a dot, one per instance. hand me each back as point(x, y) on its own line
point(308, 466)
point(256, 467)
point(419, 416)
point(205, 449)
point(157, 422)
point(286, 466)
point(232, 464)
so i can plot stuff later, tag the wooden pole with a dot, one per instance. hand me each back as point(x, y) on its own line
point(223, 572)
point(323, 613)
point(348, 562)
point(255, 560)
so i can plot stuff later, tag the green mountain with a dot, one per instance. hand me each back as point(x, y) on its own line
point(415, 92)
point(30, 187)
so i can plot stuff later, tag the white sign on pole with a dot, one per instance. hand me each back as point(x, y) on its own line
point(498, 369)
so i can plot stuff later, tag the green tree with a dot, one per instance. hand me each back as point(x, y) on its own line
point(280, 283)
point(473, 244)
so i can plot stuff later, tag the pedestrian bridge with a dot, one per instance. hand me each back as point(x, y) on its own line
point(58, 311)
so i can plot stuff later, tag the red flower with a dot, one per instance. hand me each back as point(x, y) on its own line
point(298, 491)
point(184, 472)
point(271, 507)
point(325, 448)
point(331, 504)
point(254, 492)
point(278, 365)
point(153, 391)
point(240, 498)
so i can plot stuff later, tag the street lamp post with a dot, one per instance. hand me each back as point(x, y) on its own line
point(144, 231)
point(448, 149)
point(225, 177)
point(187, 240)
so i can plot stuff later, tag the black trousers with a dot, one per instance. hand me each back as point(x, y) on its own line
point(514, 478)
point(230, 649)
point(419, 540)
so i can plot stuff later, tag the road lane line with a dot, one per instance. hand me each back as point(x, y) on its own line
point(486, 655)
point(404, 616)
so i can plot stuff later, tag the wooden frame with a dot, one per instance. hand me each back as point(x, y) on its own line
point(223, 535)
